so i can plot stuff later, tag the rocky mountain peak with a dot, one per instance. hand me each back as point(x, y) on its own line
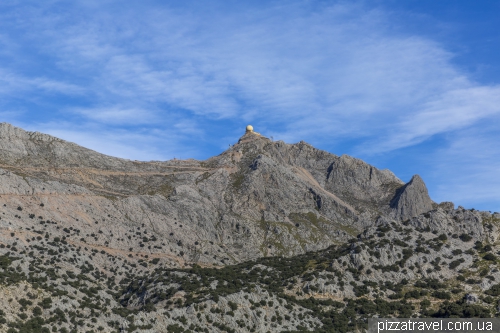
point(411, 200)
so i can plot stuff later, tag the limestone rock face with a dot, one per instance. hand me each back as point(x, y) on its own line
point(258, 198)
point(363, 186)
point(411, 200)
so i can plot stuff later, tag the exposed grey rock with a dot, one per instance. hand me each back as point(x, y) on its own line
point(411, 200)
point(471, 298)
point(447, 206)
point(360, 184)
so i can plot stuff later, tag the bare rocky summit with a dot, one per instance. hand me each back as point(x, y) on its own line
point(260, 238)
point(411, 200)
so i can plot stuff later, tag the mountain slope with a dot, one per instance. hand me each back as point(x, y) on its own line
point(134, 245)
point(258, 198)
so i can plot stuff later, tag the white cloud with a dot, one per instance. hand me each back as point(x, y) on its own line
point(335, 72)
point(15, 84)
point(143, 145)
point(116, 115)
point(452, 110)
point(467, 169)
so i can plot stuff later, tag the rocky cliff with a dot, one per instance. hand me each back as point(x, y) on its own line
point(411, 200)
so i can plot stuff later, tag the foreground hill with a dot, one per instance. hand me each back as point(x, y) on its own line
point(266, 236)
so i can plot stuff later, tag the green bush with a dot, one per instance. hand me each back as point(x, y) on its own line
point(37, 311)
point(462, 310)
point(455, 263)
point(442, 237)
point(46, 303)
point(441, 294)
point(232, 305)
point(465, 237)
point(494, 290)
point(490, 256)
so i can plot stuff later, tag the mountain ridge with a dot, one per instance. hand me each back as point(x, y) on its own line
point(309, 198)
point(264, 237)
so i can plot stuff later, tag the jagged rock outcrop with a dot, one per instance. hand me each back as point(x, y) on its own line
point(411, 200)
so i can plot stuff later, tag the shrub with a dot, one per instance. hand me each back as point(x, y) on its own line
point(425, 303)
point(46, 303)
point(37, 311)
point(412, 294)
point(461, 310)
point(494, 290)
point(442, 237)
point(490, 256)
point(232, 305)
point(149, 307)
point(441, 294)
point(455, 263)
point(465, 237)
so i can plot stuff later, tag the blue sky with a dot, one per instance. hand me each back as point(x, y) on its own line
point(412, 86)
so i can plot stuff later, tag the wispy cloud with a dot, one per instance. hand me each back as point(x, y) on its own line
point(335, 66)
point(131, 144)
point(13, 84)
point(452, 110)
point(118, 115)
point(297, 70)
point(466, 170)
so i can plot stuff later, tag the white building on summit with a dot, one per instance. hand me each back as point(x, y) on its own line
point(249, 129)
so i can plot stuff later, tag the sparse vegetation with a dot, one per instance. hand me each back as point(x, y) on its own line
point(159, 246)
